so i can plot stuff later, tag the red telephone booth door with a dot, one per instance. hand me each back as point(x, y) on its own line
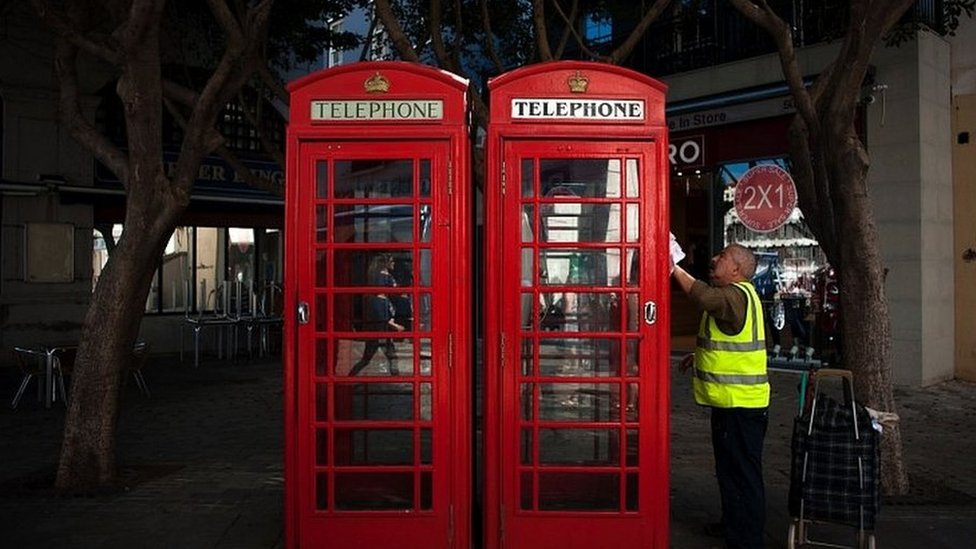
point(376, 425)
point(583, 412)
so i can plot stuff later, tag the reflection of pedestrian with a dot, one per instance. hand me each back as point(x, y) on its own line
point(380, 315)
point(730, 377)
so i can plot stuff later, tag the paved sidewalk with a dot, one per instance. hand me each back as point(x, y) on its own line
point(204, 455)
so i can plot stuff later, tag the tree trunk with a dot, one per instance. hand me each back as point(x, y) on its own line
point(108, 334)
point(864, 306)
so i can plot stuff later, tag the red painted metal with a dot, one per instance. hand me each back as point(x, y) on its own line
point(553, 480)
point(381, 458)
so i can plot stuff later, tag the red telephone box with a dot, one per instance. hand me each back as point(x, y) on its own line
point(577, 338)
point(377, 420)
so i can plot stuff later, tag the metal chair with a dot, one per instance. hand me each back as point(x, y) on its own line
point(136, 362)
point(218, 319)
point(31, 364)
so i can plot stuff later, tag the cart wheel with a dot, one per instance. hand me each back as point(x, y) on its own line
point(792, 536)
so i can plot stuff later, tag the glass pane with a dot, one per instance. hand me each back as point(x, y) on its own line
point(528, 177)
point(425, 401)
point(426, 447)
point(579, 357)
point(373, 447)
point(633, 267)
point(321, 269)
point(321, 402)
point(576, 222)
point(321, 312)
point(526, 268)
point(526, 356)
point(206, 261)
point(580, 312)
point(240, 255)
point(321, 179)
point(426, 223)
point(322, 447)
point(527, 323)
point(425, 177)
point(633, 493)
point(633, 402)
point(373, 223)
point(528, 223)
point(634, 313)
point(527, 489)
point(426, 356)
point(425, 266)
point(177, 267)
point(373, 401)
point(581, 447)
point(425, 312)
point(426, 490)
point(525, 446)
point(633, 357)
point(321, 223)
point(525, 401)
point(633, 180)
point(633, 444)
point(579, 491)
point(583, 177)
point(373, 178)
point(373, 491)
point(322, 491)
point(633, 222)
point(579, 402)
point(321, 357)
point(374, 356)
point(373, 267)
point(583, 267)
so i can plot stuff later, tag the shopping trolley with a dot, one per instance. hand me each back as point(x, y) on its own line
point(834, 472)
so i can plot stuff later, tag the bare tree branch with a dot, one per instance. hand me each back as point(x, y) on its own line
point(490, 37)
point(623, 50)
point(399, 38)
point(62, 25)
point(571, 26)
point(564, 39)
point(437, 39)
point(254, 117)
point(541, 33)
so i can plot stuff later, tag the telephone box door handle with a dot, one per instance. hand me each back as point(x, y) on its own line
point(302, 312)
point(650, 312)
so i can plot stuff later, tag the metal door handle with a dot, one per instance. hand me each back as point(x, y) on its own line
point(650, 312)
point(302, 312)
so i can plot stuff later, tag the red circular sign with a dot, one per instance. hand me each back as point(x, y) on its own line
point(765, 197)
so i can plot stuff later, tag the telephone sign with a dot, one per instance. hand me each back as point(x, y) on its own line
point(765, 196)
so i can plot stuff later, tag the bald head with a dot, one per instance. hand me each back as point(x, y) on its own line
point(744, 259)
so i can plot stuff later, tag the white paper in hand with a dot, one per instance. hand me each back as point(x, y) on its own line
point(677, 254)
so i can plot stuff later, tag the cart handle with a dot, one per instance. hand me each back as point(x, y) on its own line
point(848, 377)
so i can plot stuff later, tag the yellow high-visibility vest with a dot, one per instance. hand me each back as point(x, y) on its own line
point(730, 370)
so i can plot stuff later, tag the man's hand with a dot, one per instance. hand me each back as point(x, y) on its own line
point(687, 362)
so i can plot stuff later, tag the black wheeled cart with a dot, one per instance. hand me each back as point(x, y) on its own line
point(835, 468)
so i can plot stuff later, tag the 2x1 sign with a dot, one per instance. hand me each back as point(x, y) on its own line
point(765, 196)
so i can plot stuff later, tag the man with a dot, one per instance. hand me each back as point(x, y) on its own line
point(729, 367)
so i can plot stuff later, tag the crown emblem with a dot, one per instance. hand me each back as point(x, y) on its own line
point(578, 83)
point(376, 84)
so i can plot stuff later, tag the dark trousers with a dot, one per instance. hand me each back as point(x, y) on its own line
point(372, 345)
point(737, 440)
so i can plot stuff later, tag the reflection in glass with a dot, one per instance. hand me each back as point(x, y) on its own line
point(425, 402)
point(321, 357)
point(357, 267)
point(579, 267)
point(321, 269)
point(633, 357)
point(373, 491)
point(583, 177)
point(426, 356)
point(527, 489)
point(373, 401)
point(426, 223)
point(576, 222)
point(426, 490)
point(578, 357)
point(581, 447)
point(321, 447)
point(633, 223)
point(321, 312)
point(580, 312)
point(633, 267)
point(633, 445)
point(527, 356)
point(425, 177)
point(525, 401)
point(633, 492)
point(528, 178)
point(579, 402)
point(528, 223)
point(351, 352)
point(321, 402)
point(426, 314)
point(373, 447)
point(633, 313)
point(322, 491)
point(633, 402)
point(527, 323)
point(321, 179)
point(425, 266)
point(373, 223)
point(426, 452)
point(321, 224)
point(579, 491)
point(633, 180)
point(526, 267)
point(526, 447)
point(373, 178)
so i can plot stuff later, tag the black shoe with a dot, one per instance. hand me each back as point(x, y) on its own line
point(714, 530)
